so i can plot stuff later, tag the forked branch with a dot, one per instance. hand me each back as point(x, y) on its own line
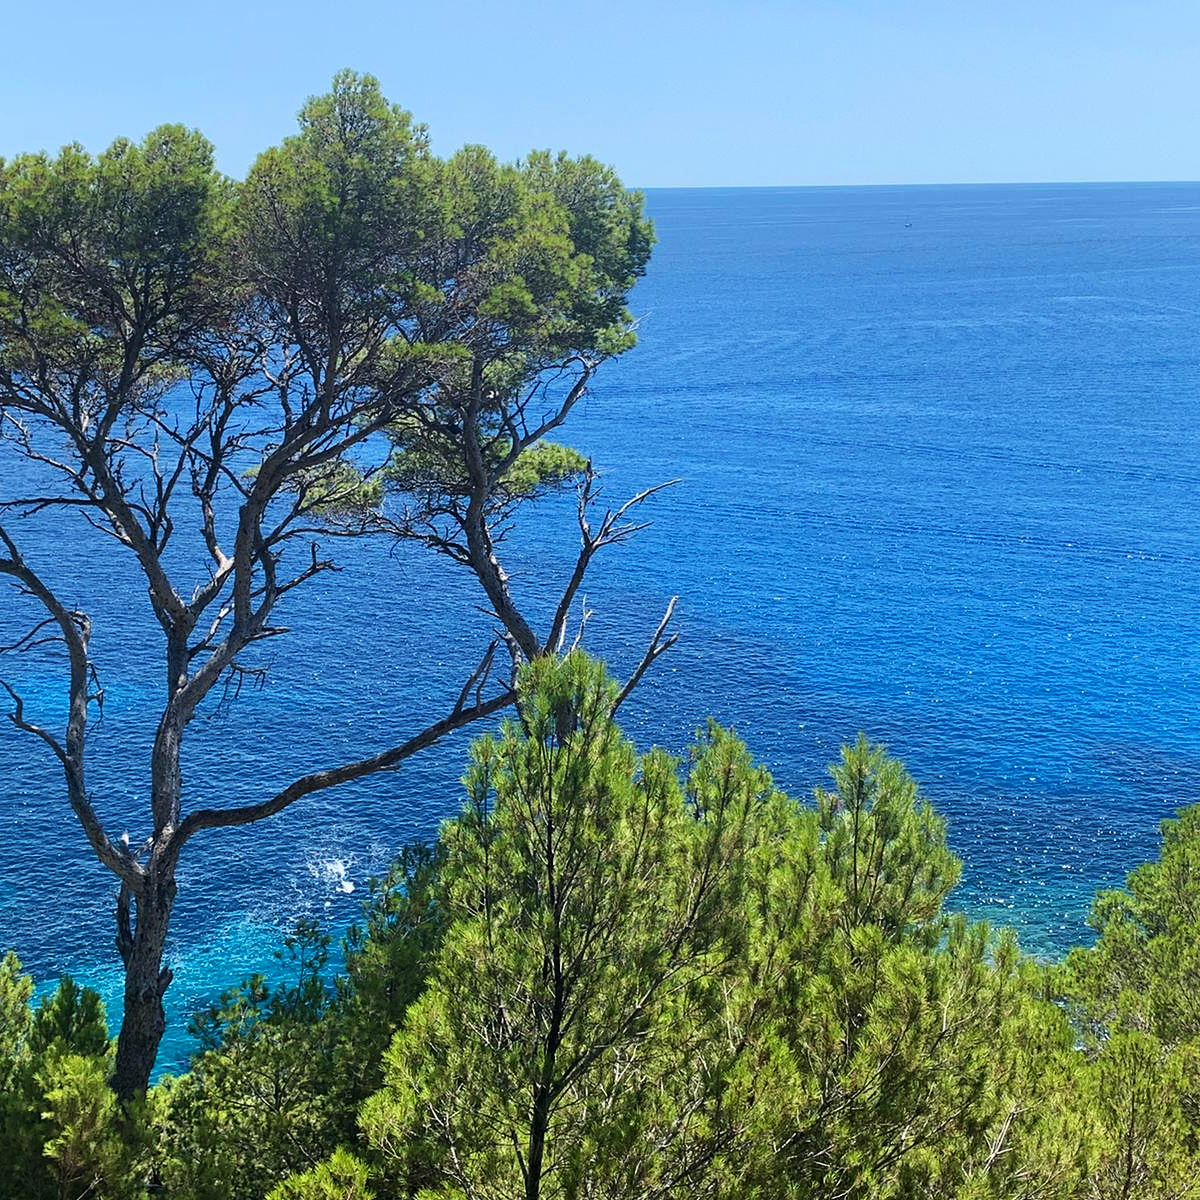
point(613, 529)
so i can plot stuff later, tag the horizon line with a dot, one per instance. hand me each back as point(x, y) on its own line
point(766, 187)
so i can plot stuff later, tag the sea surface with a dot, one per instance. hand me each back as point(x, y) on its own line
point(938, 481)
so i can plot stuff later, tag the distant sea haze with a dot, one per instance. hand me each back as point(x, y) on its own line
point(939, 451)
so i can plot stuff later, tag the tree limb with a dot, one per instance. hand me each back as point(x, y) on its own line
point(613, 529)
point(658, 645)
point(214, 818)
point(75, 629)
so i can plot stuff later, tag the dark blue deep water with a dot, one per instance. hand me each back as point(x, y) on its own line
point(939, 482)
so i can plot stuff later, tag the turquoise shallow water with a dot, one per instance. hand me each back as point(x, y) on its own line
point(938, 461)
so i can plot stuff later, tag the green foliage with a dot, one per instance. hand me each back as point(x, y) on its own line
point(619, 975)
point(16, 1019)
point(256, 1103)
point(546, 250)
point(86, 1147)
point(1040, 1140)
point(388, 961)
point(343, 1177)
point(893, 1070)
point(615, 979)
point(427, 465)
point(330, 227)
point(337, 492)
point(584, 904)
point(588, 922)
point(531, 265)
point(107, 265)
point(1135, 998)
point(885, 846)
point(1139, 1092)
point(1144, 971)
point(63, 1135)
point(72, 1018)
point(283, 1068)
point(650, 986)
point(887, 1046)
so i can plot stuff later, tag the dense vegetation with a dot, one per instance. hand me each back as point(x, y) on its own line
point(620, 975)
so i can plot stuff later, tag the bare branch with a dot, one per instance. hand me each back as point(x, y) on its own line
point(477, 678)
point(584, 617)
point(319, 781)
point(659, 644)
point(75, 629)
point(523, 437)
point(17, 717)
point(30, 640)
point(236, 676)
point(613, 529)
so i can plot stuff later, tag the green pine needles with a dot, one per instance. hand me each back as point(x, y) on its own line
point(619, 974)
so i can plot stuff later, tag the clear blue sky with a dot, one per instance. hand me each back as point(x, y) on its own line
point(673, 93)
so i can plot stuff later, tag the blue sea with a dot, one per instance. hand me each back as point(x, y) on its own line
point(938, 481)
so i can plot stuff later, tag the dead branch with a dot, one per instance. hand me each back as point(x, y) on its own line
point(75, 629)
point(31, 640)
point(477, 679)
point(522, 438)
point(461, 715)
point(659, 645)
point(17, 717)
point(319, 781)
point(585, 615)
point(613, 530)
point(236, 677)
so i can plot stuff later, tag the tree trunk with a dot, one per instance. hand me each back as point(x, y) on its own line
point(539, 1127)
point(146, 981)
